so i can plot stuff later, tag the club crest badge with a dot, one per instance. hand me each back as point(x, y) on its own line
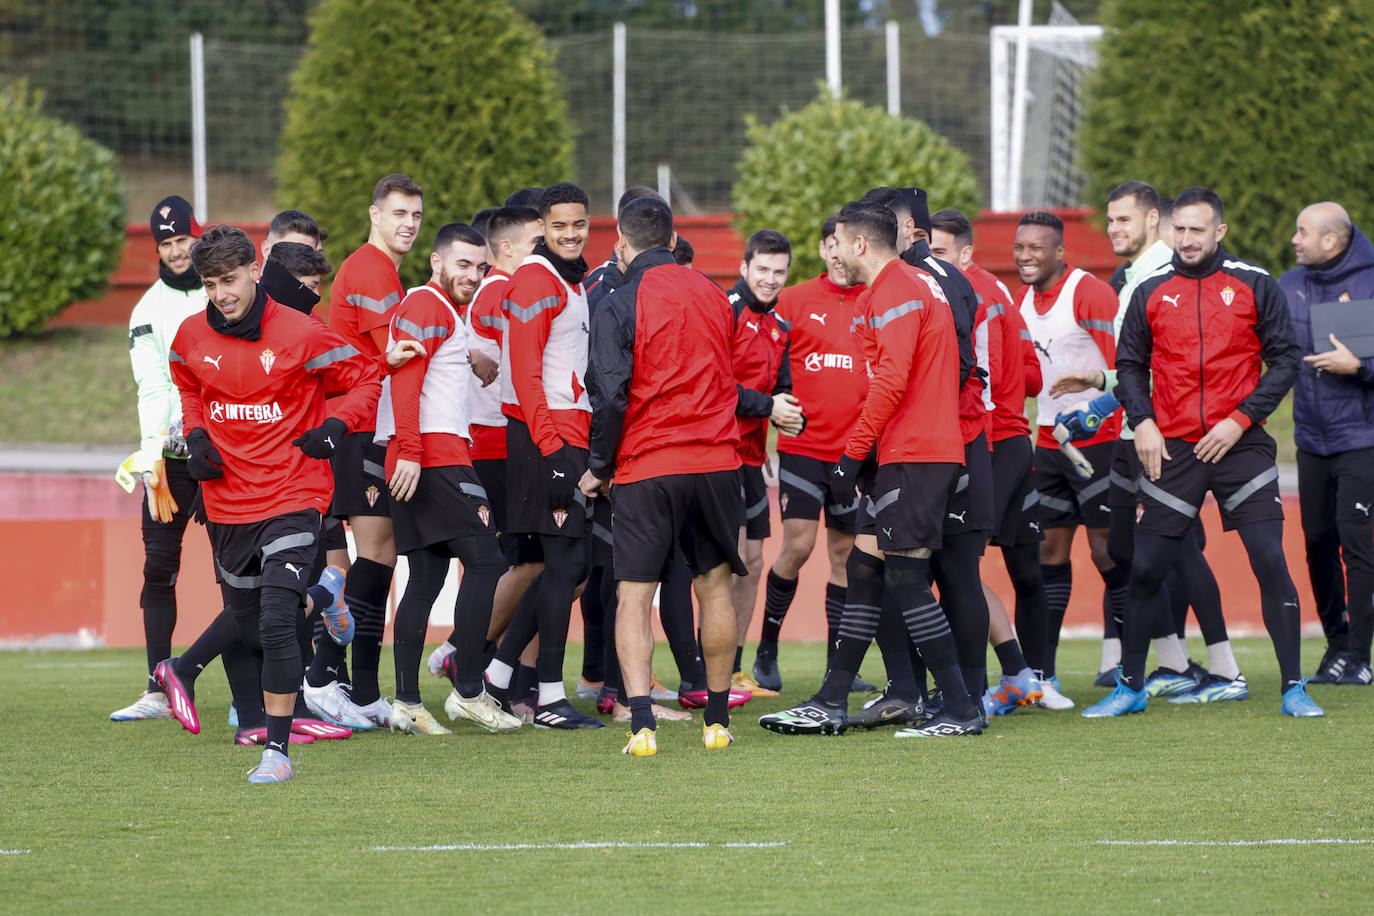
point(1228, 295)
point(1343, 297)
point(484, 513)
point(560, 516)
point(165, 212)
point(1139, 512)
point(267, 358)
point(782, 502)
point(372, 493)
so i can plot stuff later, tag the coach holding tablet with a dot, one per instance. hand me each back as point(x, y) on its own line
point(1333, 419)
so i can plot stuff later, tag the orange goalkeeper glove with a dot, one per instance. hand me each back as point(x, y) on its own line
point(161, 505)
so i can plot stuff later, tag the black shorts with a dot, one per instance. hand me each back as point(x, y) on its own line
point(449, 502)
point(1245, 483)
point(532, 491)
point(1124, 477)
point(753, 513)
point(1067, 499)
point(602, 542)
point(516, 549)
point(697, 512)
point(908, 504)
point(360, 477)
point(334, 536)
point(1013, 497)
point(279, 551)
point(968, 505)
point(804, 490)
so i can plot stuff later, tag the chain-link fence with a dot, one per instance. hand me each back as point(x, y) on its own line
point(687, 94)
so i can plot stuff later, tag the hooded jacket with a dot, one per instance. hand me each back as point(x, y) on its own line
point(1332, 413)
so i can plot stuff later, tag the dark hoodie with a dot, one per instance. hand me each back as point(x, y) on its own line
point(1332, 413)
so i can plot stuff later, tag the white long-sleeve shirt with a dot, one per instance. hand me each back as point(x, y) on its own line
point(152, 325)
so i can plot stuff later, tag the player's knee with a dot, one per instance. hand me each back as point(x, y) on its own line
point(1357, 543)
point(277, 621)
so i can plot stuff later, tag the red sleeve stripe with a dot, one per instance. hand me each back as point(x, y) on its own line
point(419, 333)
point(897, 311)
point(358, 300)
point(329, 357)
point(526, 314)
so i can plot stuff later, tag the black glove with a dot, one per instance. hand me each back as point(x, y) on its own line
point(321, 441)
point(845, 480)
point(197, 510)
point(204, 461)
point(564, 468)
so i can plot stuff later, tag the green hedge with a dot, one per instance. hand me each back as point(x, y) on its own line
point(810, 162)
point(1268, 104)
point(61, 214)
point(458, 94)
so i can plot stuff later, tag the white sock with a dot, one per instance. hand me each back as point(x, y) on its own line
point(1111, 654)
point(499, 673)
point(551, 692)
point(1221, 661)
point(1171, 653)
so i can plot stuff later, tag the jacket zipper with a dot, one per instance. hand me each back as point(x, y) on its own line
point(1201, 377)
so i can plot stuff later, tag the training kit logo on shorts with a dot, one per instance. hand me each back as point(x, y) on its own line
point(372, 493)
point(1228, 295)
point(560, 516)
point(1139, 512)
point(485, 515)
point(782, 502)
point(267, 358)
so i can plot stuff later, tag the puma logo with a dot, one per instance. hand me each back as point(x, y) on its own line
point(1035, 526)
point(1044, 349)
point(293, 568)
point(1172, 300)
point(820, 318)
point(213, 360)
point(1363, 508)
point(329, 441)
point(958, 518)
point(887, 532)
point(558, 474)
point(166, 227)
point(752, 326)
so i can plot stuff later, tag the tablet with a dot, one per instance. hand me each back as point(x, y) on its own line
point(1351, 322)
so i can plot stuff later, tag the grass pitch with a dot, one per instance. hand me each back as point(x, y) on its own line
point(117, 817)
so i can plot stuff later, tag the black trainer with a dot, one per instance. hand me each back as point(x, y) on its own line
point(862, 686)
point(887, 709)
point(943, 726)
point(1357, 673)
point(1332, 666)
point(766, 668)
point(809, 718)
point(1105, 679)
point(564, 715)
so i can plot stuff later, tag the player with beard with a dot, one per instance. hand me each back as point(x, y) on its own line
point(548, 414)
point(911, 417)
point(512, 233)
point(365, 290)
point(440, 509)
point(1070, 316)
point(1133, 220)
point(253, 377)
point(763, 373)
point(830, 376)
point(161, 457)
point(1191, 346)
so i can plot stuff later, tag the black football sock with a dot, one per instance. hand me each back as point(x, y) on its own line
point(956, 569)
point(365, 593)
point(676, 615)
point(777, 598)
point(243, 668)
point(641, 713)
point(1116, 581)
point(908, 578)
point(483, 566)
point(526, 685)
point(279, 734)
point(1146, 602)
point(739, 653)
point(1009, 657)
point(593, 625)
point(717, 708)
point(613, 678)
point(835, 597)
point(209, 645)
point(1058, 579)
point(1278, 597)
point(858, 626)
point(1032, 612)
point(327, 663)
point(565, 566)
point(428, 570)
point(894, 644)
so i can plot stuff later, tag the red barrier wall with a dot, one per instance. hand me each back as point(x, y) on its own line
point(72, 556)
point(718, 250)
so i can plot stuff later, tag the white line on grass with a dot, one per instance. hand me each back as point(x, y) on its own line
point(504, 847)
point(1316, 841)
point(15, 852)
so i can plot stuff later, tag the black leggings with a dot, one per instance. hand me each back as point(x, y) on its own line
point(955, 569)
point(546, 607)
